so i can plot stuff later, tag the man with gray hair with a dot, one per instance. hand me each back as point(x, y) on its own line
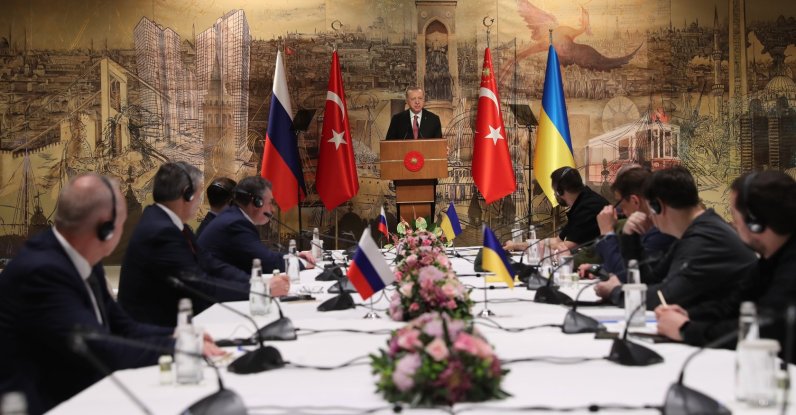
point(233, 237)
point(57, 283)
point(415, 122)
point(163, 246)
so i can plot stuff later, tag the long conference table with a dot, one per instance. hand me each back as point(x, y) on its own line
point(557, 381)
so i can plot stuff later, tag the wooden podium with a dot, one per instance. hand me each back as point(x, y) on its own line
point(414, 166)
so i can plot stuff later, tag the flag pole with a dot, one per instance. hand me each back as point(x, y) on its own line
point(336, 231)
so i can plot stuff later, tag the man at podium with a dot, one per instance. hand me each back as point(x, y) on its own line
point(415, 122)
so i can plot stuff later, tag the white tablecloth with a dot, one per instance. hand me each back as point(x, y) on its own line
point(352, 390)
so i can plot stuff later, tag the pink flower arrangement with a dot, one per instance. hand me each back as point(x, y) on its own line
point(438, 360)
point(426, 281)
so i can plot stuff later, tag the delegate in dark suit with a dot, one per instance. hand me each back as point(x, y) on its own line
point(205, 221)
point(158, 250)
point(233, 239)
point(42, 300)
point(401, 126)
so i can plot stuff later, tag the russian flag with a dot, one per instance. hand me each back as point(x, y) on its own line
point(368, 271)
point(383, 223)
point(281, 163)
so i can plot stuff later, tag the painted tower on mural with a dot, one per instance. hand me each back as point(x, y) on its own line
point(437, 56)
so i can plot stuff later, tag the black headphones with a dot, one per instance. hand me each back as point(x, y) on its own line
point(558, 190)
point(187, 193)
point(655, 206)
point(105, 229)
point(754, 224)
point(257, 201)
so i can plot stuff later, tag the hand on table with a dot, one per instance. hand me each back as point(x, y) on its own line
point(604, 288)
point(307, 256)
point(670, 320)
point(279, 285)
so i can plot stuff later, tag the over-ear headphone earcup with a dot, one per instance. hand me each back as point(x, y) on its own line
point(105, 231)
point(655, 206)
point(258, 201)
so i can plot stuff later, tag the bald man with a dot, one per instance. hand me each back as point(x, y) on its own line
point(57, 283)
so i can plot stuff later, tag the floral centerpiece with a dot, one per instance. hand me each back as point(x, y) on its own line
point(426, 281)
point(437, 360)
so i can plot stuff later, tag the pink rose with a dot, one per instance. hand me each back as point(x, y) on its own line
point(444, 261)
point(411, 260)
point(434, 327)
point(449, 289)
point(414, 307)
point(451, 304)
point(406, 289)
point(405, 369)
point(426, 242)
point(466, 343)
point(399, 276)
point(409, 339)
point(483, 349)
point(437, 349)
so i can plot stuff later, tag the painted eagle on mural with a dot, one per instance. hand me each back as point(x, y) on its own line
point(569, 52)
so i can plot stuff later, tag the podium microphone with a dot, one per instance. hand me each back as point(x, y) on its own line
point(259, 360)
point(627, 353)
point(279, 330)
point(223, 401)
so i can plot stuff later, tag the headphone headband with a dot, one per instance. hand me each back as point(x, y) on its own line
point(750, 219)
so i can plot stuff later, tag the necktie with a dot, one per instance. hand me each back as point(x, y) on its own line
point(94, 284)
point(186, 232)
point(415, 127)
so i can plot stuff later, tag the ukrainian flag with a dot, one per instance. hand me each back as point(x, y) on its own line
point(553, 143)
point(450, 223)
point(495, 260)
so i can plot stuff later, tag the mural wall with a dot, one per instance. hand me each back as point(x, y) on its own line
point(121, 88)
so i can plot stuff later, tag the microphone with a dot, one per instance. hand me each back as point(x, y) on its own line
point(79, 346)
point(681, 399)
point(341, 301)
point(279, 330)
point(575, 322)
point(261, 359)
point(549, 294)
point(627, 353)
point(223, 401)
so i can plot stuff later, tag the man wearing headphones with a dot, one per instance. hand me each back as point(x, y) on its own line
point(163, 246)
point(706, 263)
point(584, 204)
point(762, 206)
point(219, 196)
point(233, 238)
point(56, 283)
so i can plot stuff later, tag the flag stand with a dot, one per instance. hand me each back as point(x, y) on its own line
point(372, 315)
point(486, 312)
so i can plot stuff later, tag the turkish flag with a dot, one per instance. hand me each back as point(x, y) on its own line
point(336, 179)
point(492, 170)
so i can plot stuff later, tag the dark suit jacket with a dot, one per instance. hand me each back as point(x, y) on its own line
point(42, 300)
point(401, 126)
point(233, 239)
point(158, 250)
point(205, 221)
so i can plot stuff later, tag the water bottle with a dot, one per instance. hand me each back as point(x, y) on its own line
point(748, 329)
point(317, 245)
point(292, 266)
point(188, 368)
point(257, 306)
point(633, 274)
point(533, 247)
point(546, 266)
point(14, 403)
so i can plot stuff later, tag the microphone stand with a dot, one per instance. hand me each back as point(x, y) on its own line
point(575, 322)
point(223, 401)
point(681, 399)
point(627, 353)
point(549, 294)
point(259, 360)
point(280, 330)
point(79, 346)
point(486, 312)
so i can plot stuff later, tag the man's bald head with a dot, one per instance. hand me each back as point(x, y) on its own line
point(84, 203)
